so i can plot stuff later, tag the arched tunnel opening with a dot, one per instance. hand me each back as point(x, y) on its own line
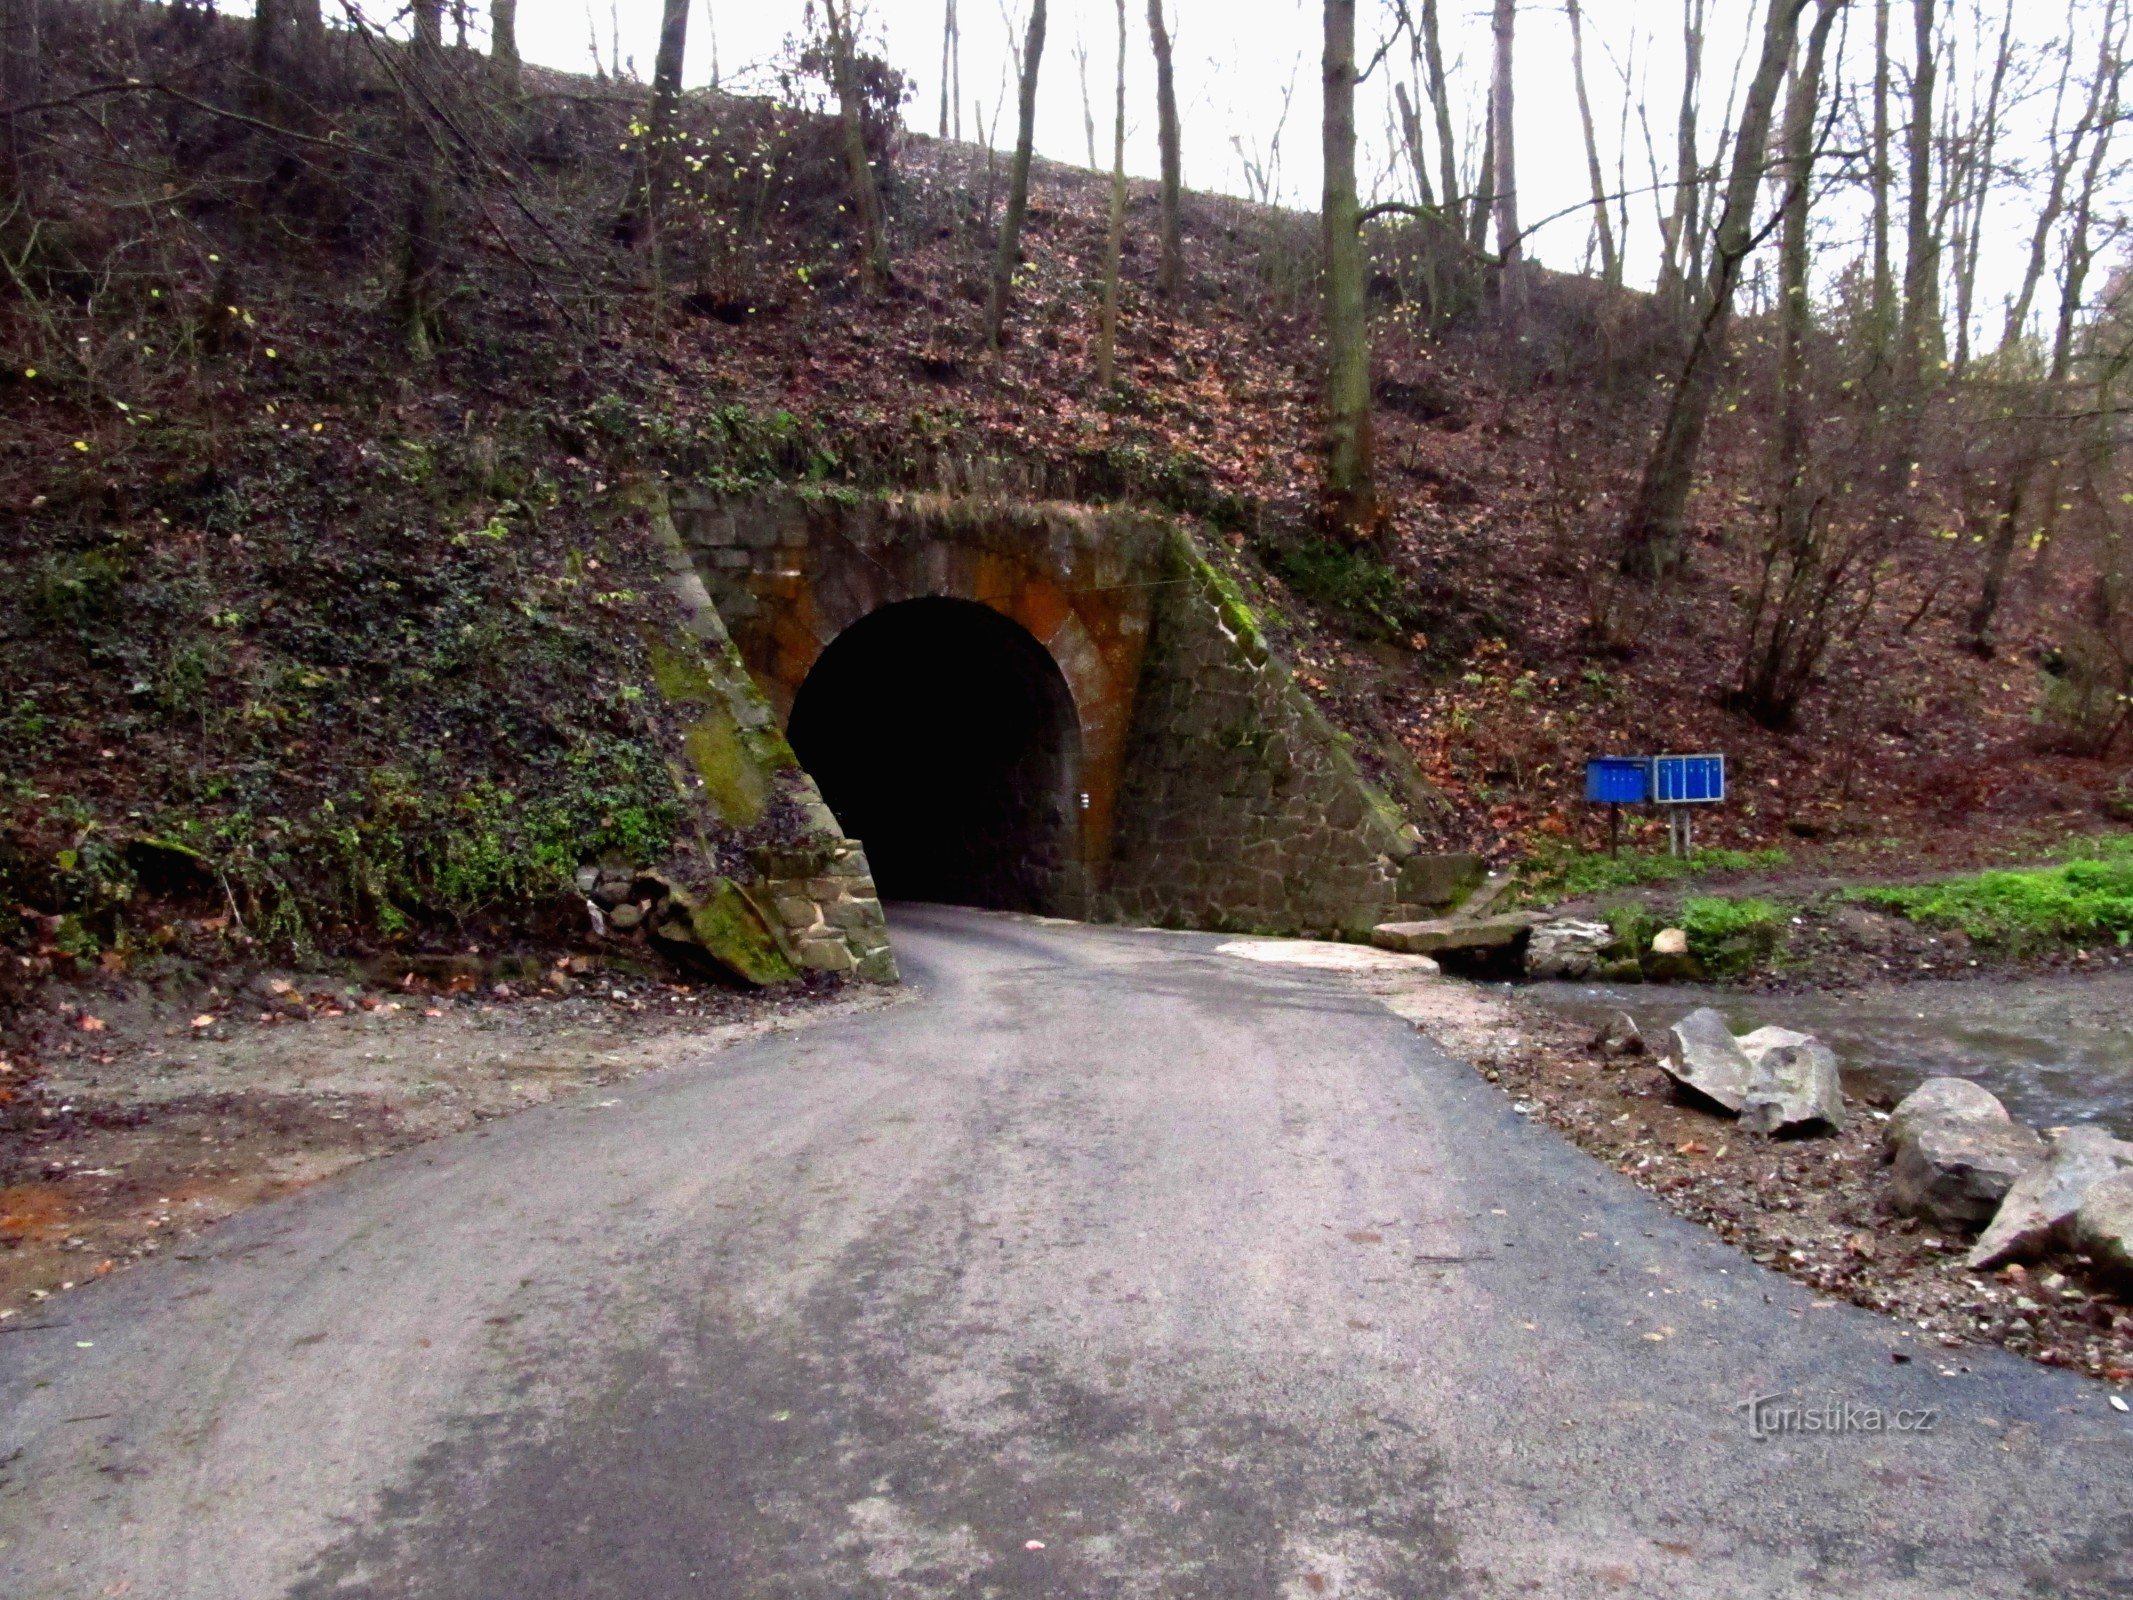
point(944, 738)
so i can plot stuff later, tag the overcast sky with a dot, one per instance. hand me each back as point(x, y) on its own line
point(1241, 61)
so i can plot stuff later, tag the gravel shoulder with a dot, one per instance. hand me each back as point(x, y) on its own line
point(1815, 1209)
point(130, 1119)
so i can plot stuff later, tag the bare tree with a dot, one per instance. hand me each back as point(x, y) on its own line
point(2064, 150)
point(1440, 101)
point(1681, 234)
point(840, 24)
point(1411, 142)
point(1010, 251)
point(1500, 125)
point(1919, 332)
point(951, 74)
point(1088, 106)
point(2043, 435)
point(1652, 534)
point(1348, 501)
point(503, 42)
point(1115, 235)
point(1803, 565)
point(1982, 142)
point(1610, 263)
point(1883, 295)
point(1170, 266)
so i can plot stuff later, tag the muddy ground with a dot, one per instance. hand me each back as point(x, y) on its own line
point(132, 1116)
point(1814, 1209)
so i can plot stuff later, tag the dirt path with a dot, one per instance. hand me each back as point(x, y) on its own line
point(153, 1115)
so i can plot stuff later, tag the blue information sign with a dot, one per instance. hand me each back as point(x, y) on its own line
point(1688, 780)
point(1618, 780)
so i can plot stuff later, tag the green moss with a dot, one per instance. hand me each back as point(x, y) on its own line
point(727, 926)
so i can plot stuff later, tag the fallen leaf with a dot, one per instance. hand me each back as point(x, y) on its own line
point(2118, 1402)
point(1033, 1544)
point(206, 1019)
point(1364, 1236)
point(90, 1024)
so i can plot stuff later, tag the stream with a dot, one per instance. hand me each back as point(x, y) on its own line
point(2055, 1049)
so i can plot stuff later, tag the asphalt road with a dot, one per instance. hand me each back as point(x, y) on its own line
point(1108, 1265)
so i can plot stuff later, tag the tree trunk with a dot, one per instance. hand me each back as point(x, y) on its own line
point(1003, 265)
point(1484, 202)
point(1882, 301)
point(1986, 140)
point(948, 95)
point(1508, 244)
point(1088, 106)
point(414, 299)
point(1440, 101)
point(1170, 267)
point(1610, 265)
point(1348, 500)
point(21, 82)
point(1677, 277)
point(1115, 236)
point(1653, 533)
point(859, 167)
point(1795, 310)
point(1919, 337)
point(503, 43)
point(654, 175)
point(1411, 142)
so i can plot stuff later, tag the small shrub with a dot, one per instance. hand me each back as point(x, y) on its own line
point(1732, 936)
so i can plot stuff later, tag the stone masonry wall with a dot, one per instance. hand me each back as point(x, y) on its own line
point(1242, 807)
point(809, 900)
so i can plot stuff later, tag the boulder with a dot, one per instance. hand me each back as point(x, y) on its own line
point(1956, 1152)
point(1621, 1036)
point(1452, 933)
point(1795, 1087)
point(1567, 948)
point(1670, 942)
point(2103, 1228)
point(1705, 1059)
point(2035, 1216)
point(1941, 1100)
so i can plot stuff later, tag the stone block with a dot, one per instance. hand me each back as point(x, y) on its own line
point(850, 914)
point(1448, 933)
point(1440, 880)
point(826, 955)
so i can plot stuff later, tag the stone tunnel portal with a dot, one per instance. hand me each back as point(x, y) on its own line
point(944, 737)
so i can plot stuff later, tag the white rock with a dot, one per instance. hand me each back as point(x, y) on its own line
point(1795, 1088)
point(1704, 1057)
point(1670, 942)
point(1566, 948)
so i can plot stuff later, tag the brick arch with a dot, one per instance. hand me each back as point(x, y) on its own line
point(791, 574)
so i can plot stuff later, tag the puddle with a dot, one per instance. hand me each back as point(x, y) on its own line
point(2054, 1049)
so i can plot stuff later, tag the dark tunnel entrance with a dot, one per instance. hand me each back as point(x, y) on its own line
point(944, 737)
